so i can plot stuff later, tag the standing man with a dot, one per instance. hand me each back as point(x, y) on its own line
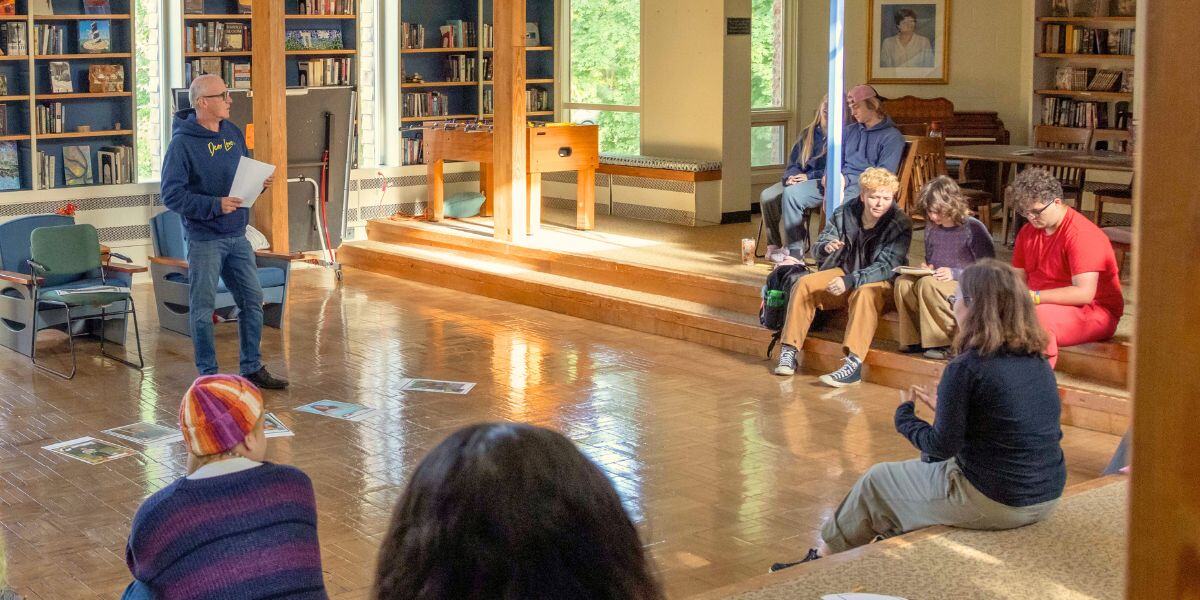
point(197, 173)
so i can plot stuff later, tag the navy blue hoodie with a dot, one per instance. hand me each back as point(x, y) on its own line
point(879, 146)
point(815, 167)
point(198, 171)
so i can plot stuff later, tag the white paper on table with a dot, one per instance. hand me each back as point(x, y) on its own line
point(249, 179)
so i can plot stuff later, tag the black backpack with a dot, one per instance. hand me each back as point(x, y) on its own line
point(775, 297)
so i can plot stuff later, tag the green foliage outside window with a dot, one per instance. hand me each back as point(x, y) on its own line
point(605, 68)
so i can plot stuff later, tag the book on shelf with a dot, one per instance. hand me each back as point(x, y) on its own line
point(211, 65)
point(241, 76)
point(3, 120)
point(457, 33)
point(245, 7)
point(425, 104)
point(326, 7)
point(1058, 38)
point(10, 166)
point(313, 39)
point(487, 68)
point(77, 165)
point(106, 79)
point(1127, 80)
point(95, 37)
point(50, 117)
point(96, 7)
point(193, 7)
point(47, 167)
point(216, 37)
point(537, 99)
point(1067, 112)
point(40, 7)
point(413, 151)
point(489, 101)
point(461, 68)
point(60, 77)
point(114, 165)
point(487, 36)
point(321, 72)
point(8, 7)
point(15, 39)
point(50, 39)
point(413, 35)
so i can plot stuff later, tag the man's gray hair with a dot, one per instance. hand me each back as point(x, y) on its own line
point(196, 90)
point(1034, 186)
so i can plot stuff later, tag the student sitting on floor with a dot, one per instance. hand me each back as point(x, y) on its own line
point(236, 527)
point(954, 240)
point(995, 437)
point(806, 162)
point(511, 511)
point(872, 140)
point(864, 241)
point(1068, 264)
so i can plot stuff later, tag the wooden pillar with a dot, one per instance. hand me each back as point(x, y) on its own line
point(269, 79)
point(510, 163)
point(1164, 532)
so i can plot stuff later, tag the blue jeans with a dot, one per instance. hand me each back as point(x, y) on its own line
point(137, 591)
point(801, 198)
point(232, 261)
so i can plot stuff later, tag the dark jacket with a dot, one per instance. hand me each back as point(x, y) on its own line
point(878, 146)
point(890, 249)
point(198, 171)
point(814, 168)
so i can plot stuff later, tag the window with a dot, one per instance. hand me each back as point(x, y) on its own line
point(149, 80)
point(769, 49)
point(604, 70)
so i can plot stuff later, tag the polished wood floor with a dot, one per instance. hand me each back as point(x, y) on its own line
point(724, 467)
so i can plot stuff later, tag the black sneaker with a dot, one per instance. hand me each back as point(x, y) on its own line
point(811, 556)
point(911, 349)
point(266, 381)
point(849, 374)
point(942, 353)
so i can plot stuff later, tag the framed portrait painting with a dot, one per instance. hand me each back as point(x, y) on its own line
point(908, 42)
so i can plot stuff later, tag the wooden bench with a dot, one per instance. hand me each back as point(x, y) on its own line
point(668, 190)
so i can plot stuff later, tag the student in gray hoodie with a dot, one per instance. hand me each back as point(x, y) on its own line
point(871, 141)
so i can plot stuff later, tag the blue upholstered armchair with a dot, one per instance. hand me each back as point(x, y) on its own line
point(169, 269)
point(20, 314)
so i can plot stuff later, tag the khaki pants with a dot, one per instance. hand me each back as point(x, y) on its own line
point(898, 497)
point(926, 317)
point(864, 305)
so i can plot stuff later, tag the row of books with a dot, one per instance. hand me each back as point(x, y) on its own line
point(112, 165)
point(536, 100)
point(216, 37)
point(196, 7)
point(457, 33)
point(50, 39)
point(47, 168)
point(1093, 80)
point(1066, 112)
point(412, 36)
point(425, 104)
point(460, 67)
point(15, 38)
point(326, 7)
point(1072, 39)
point(116, 165)
point(412, 151)
point(50, 117)
point(319, 72)
point(235, 73)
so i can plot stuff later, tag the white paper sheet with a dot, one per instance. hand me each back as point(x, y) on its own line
point(249, 179)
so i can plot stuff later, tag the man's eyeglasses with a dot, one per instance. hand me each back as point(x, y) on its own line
point(224, 96)
point(1033, 214)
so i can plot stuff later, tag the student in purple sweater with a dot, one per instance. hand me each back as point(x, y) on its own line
point(236, 527)
point(954, 240)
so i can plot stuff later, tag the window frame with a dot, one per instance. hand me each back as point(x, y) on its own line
point(563, 105)
point(781, 115)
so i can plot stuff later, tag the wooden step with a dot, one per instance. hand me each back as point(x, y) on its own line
point(1088, 405)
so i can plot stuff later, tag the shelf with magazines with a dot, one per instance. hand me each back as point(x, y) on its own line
point(1083, 65)
point(446, 64)
point(66, 101)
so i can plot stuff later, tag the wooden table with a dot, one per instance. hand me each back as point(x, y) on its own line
point(1008, 156)
point(549, 149)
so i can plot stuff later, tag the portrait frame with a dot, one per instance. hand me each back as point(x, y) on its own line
point(926, 57)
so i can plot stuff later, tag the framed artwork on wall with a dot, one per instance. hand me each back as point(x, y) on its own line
point(908, 41)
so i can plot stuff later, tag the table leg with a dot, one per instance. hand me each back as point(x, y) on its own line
point(534, 214)
point(435, 209)
point(487, 186)
point(585, 200)
point(998, 193)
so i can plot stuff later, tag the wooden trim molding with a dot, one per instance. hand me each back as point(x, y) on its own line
point(125, 268)
point(19, 278)
point(170, 262)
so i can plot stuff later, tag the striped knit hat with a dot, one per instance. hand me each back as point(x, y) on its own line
point(217, 412)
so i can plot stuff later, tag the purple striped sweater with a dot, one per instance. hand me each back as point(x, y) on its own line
point(249, 534)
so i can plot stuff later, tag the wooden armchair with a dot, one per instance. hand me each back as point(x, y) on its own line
point(924, 161)
point(1065, 138)
point(1114, 140)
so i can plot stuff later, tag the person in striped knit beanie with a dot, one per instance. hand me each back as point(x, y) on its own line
point(236, 527)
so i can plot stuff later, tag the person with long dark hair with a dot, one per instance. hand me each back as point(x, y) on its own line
point(508, 511)
point(992, 457)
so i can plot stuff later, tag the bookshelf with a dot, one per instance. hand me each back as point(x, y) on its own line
point(465, 92)
point(1083, 69)
point(67, 105)
point(217, 40)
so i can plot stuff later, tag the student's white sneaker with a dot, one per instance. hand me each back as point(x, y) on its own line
point(787, 360)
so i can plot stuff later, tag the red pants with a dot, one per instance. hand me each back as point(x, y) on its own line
point(1072, 325)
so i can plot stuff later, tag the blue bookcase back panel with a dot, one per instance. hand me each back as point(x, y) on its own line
point(79, 76)
point(435, 13)
point(55, 148)
point(16, 74)
point(16, 118)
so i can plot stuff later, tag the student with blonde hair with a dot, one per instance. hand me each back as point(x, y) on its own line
point(995, 460)
point(954, 240)
point(865, 240)
point(805, 163)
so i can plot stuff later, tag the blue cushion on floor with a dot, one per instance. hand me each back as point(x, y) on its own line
point(268, 277)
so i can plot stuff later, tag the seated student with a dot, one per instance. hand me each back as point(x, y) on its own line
point(235, 527)
point(872, 140)
point(995, 438)
point(864, 241)
point(509, 511)
point(806, 162)
point(954, 240)
point(1068, 264)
